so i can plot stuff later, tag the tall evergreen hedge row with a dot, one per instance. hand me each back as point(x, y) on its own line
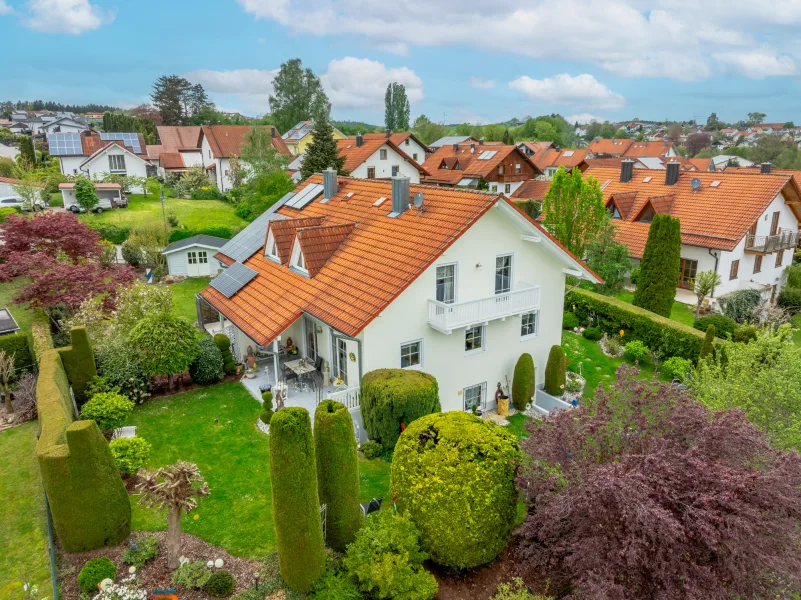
point(79, 362)
point(40, 331)
point(87, 497)
point(660, 266)
point(296, 504)
point(337, 472)
point(390, 397)
point(16, 344)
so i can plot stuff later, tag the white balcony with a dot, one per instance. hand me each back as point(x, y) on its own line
point(447, 317)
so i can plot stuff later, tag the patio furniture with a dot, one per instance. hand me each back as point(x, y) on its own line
point(301, 368)
point(318, 369)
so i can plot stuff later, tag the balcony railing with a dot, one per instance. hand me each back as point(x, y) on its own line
point(447, 317)
point(770, 243)
point(349, 397)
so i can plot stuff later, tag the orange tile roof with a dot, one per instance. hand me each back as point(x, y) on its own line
point(609, 147)
point(624, 203)
point(533, 189)
point(171, 160)
point(653, 149)
point(471, 167)
point(154, 151)
point(702, 164)
point(228, 140)
point(12, 181)
point(92, 143)
point(318, 244)
point(713, 217)
point(379, 258)
point(614, 162)
point(535, 147)
point(284, 234)
point(356, 155)
point(175, 137)
point(551, 157)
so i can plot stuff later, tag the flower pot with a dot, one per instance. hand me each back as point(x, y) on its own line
point(503, 407)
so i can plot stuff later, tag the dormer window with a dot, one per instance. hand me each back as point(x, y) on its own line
point(300, 262)
point(443, 165)
point(297, 262)
point(615, 212)
point(272, 248)
point(647, 215)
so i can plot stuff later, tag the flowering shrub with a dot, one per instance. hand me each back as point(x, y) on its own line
point(122, 591)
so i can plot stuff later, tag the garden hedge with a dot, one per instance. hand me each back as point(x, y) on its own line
point(223, 342)
point(111, 232)
point(87, 497)
point(390, 397)
point(40, 331)
point(337, 472)
point(182, 233)
point(523, 382)
point(16, 345)
point(296, 505)
point(659, 333)
point(454, 474)
point(207, 368)
point(4, 212)
point(555, 377)
point(79, 362)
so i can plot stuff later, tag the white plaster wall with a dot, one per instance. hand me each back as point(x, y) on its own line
point(412, 149)
point(383, 168)
point(208, 159)
point(70, 164)
point(406, 319)
point(100, 165)
point(192, 159)
point(176, 263)
point(501, 188)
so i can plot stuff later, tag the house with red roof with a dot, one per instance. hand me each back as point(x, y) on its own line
point(376, 156)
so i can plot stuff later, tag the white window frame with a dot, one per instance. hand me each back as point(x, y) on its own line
point(382, 154)
point(455, 266)
point(511, 258)
point(414, 156)
point(297, 260)
point(483, 336)
point(395, 170)
point(368, 172)
point(419, 364)
point(191, 257)
point(271, 249)
point(482, 391)
point(536, 332)
point(507, 188)
point(202, 257)
point(116, 158)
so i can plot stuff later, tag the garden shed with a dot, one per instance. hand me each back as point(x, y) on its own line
point(194, 256)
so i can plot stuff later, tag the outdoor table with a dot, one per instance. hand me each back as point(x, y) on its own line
point(301, 370)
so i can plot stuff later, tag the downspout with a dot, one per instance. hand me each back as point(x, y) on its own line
point(717, 258)
point(578, 283)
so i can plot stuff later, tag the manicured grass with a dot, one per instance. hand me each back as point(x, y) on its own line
point(23, 529)
point(184, 296)
point(215, 428)
point(193, 214)
point(22, 314)
point(680, 312)
point(517, 425)
point(56, 199)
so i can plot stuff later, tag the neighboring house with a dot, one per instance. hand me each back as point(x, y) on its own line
point(450, 140)
point(504, 168)
point(720, 163)
point(109, 196)
point(8, 324)
point(531, 148)
point(626, 148)
point(548, 160)
point(533, 189)
point(408, 143)
point(19, 128)
point(458, 287)
point(301, 135)
point(63, 125)
point(743, 226)
point(218, 143)
point(377, 158)
point(293, 168)
point(8, 152)
point(194, 256)
point(7, 187)
point(177, 150)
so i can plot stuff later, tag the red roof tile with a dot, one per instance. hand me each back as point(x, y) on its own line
point(609, 147)
point(470, 165)
point(171, 160)
point(176, 137)
point(356, 155)
point(652, 149)
point(533, 189)
point(318, 244)
point(228, 140)
point(567, 158)
point(284, 234)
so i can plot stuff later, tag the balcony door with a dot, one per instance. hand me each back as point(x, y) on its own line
point(310, 338)
point(446, 283)
point(688, 271)
point(774, 224)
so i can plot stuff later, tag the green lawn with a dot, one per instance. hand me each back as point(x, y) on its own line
point(193, 214)
point(184, 296)
point(21, 314)
point(23, 529)
point(680, 312)
point(215, 428)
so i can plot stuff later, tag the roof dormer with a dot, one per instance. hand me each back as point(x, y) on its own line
point(297, 262)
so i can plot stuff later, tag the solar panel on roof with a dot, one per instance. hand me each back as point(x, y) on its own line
point(128, 139)
point(64, 144)
point(233, 279)
point(488, 154)
point(306, 195)
point(248, 241)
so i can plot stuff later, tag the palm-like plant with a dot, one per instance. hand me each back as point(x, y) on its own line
point(704, 284)
point(176, 488)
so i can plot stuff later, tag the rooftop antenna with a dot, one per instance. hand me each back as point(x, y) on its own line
point(418, 202)
point(696, 184)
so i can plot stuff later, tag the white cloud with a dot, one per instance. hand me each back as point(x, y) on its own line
point(481, 84)
point(5, 9)
point(399, 48)
point(65, 16)
point(582, 90)
point(756, 65)
point(583, 118)
point(252, 86)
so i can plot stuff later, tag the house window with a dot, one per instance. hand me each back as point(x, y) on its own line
point(615, 212)
point(500, 169)
point(475, 395)
point(735, 267)
point(474, 339)
point(395, 170)
point(116, 163)
point(272, 249)
point(779, 258)
point(647, 215)
point(370, 172)
point(191, 258)
point(503, 274)
point(774, 224)
point(518, 169)
point(758, 263)
point(688, 270)
point(412, 354)
point(382, 154)
point(414, 157)
point(209, 153)
point(406, 141)
point(528, 325)
point(202, 257)
point(507, 189)
point(446, 284)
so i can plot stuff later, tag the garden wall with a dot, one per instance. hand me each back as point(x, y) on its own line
point(87, 497)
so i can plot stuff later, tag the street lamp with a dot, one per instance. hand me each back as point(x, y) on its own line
point(163, 213)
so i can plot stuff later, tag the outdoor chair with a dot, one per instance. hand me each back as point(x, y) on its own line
point(318, 369)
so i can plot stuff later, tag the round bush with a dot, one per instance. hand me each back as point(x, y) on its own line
point(676, 367)
point(523, 381)
point(745, 333)
point(390, 397)
point(724, 326)
point(207, 368)
point(220, 584)
point(372, 449)
point(789, 299)
point(131, 255)
point(267, 400)
point(592, 333)
point(569, 320)
point(223, 342)
point(95, 571)
point(454, 474)
point(636, 350)
point(635, 275)
point(109, 410)
point(266, 415)
point(129, 453)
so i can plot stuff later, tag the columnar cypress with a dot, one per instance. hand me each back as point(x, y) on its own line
point(555, 372)
point(323, 152)
point(296, 505)
point(523, 381)
point(337, 472)
point(660, 266)
point(707, 347)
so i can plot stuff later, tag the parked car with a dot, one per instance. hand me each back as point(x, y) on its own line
point(15, 202)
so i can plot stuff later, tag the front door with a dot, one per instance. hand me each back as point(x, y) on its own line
point(341, 360)
point(192, 265)
point(688, 270)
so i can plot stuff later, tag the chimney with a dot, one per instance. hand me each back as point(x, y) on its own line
point(672, 173)
point(626, 170)
point(480, 141)
point(765, 168)
point(359, 140)
point(456, 147)
point(400, 195)
point(273, 132)
point(329, 183)
point(472, 148)
point(389, 133)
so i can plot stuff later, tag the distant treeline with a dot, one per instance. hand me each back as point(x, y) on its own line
point(58, 107)
point(125, 124)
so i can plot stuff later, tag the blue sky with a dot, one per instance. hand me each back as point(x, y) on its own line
point(475, 60)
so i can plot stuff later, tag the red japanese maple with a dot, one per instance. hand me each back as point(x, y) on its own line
point(53, 234)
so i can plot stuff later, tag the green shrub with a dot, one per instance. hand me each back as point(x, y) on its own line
point(183, 233)
point(635, 275)
point(724, 326)
point(79, 362)
point(207, 368)
point(337, 472)
point(386, 560)
point(740, 305)
point(267, 400)
point(220, 584)
point(224, 344)
point(191, 575)
point(141, 550)
point(111, 232)
point(555, 371)
point(676, 367)
point(664, 335)
point(709, 339)
point(16, 345)
point(119, 370)
point(793, 272)
point(454, 474)
point(372, 449)
point(95, 571)
point(745, 333)
point(790, 299)
point(637, 350)
point(129, 453)
point(592, 333)
point(569, 320)
point(266, 415)
point(56, 200)
point(660, 266)
point(523, 381)
point(209, 193)
point(390, 397)
point(296, 508)
point(4, 212)
point(334, 585)
point(108, 410)
point(516, 590)
point(132, 255)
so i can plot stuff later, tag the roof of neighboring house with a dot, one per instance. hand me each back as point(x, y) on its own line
point(228, 140)
point(107, 145)
point(171, 160)
point(98, 185)
point(300, 131)
point(469, 164)
point(567, 158)
point(296, 164)
point(609, 147)
point(7, 322)
point(355, 155)
point(154, 151)
point(12, 181)
point(702, 164)
point(397, 138)
point(715, 216)
point(533, 189)
point(91, 144)
point(644, 149)
point(612, 162)
point(535, 147)
point(360, 259)
point(452, 139)
point(205, 241)
point(175, 137)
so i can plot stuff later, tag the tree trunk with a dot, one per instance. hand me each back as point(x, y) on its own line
point(9, 407)
point(173, 537)
point(698, 308)
point(169, 382)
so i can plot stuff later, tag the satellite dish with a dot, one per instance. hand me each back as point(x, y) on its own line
point(696, 183)
point(418, 200)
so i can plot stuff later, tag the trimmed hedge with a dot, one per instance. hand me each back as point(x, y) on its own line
point(16, 345)
point(111, 232)
point(79, 362)
point(454, 474)
point(669, 337)
point(95, 571)
point(182, 233)
point(87, 497)
point(709, 339)
point(40, 331)
point(207, 368)
point(660, 266)
point(724, 326)
point(223, 342)
point(523, 381)
point(569, 320)
point(337, 472)
point(296, 505)
point(555, 377)
point(390, 397)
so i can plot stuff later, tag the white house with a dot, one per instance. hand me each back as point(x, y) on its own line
point(194, 256)
point(369, 274)
point(376, 157)
point(408, 143)
point(63, 125)
point(116, 160)
point(743, 224)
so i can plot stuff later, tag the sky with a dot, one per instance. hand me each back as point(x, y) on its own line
point(477, 61)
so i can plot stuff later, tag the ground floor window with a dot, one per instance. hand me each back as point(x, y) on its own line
point(474, 339)
point(475, 395)
point(412, 354)
point(528, 324)
point(735, 267)
point(757, 263)
point(688, 271)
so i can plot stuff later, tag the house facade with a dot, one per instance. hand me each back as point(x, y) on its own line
point(194, 256)
point(377, 157)
point(408, 143)
point(298, 138)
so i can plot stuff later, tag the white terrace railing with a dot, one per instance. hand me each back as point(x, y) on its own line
point(447, 317)
point(349, 397)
